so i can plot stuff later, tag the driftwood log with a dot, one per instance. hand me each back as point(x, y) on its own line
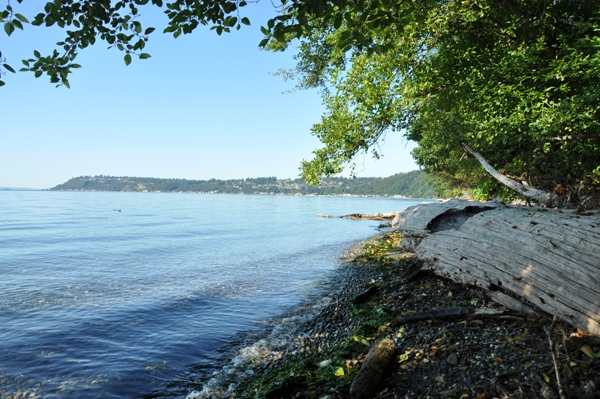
point(520, 255)
point(363, 216)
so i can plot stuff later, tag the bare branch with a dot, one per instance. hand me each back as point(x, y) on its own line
point(580, 137)
point(527, 191)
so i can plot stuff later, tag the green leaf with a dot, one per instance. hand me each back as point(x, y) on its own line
point(38, 74)
point(264, 30)
point(144, 56)
point(21, 18)
point(245, 21)
point(2, 83)
point(36, 54)
point(75, 66)
point(148, 31)
point(263, 42)
point(8, 68)
point(9, 28)
point(127, 59)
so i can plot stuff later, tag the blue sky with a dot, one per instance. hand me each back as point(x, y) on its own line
point(204, 106)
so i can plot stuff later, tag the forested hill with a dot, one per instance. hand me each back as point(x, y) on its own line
point(411, 184)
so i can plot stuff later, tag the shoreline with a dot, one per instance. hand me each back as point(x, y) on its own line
point(316, 350)
point(289, 334)
point(395, 196)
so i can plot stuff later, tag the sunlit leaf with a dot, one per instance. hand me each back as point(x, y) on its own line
point(404, 357)
point(21, 18)
point(588, 351)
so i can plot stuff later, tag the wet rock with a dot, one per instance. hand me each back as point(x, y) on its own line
point(452, 359)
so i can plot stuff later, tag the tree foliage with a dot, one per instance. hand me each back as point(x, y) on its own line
point(118, 23)
point(518, 81)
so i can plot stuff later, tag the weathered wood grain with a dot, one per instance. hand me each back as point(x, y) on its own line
point(543, 257)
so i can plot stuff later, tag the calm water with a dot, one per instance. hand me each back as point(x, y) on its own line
point(100, 303)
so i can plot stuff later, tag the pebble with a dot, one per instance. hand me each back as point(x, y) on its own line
point(452, 359)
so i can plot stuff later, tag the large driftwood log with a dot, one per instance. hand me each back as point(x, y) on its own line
point(540, 256)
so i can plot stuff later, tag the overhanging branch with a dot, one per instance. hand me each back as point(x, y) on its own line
point(523, 189)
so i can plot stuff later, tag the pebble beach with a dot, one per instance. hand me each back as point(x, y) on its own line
point(324, 344)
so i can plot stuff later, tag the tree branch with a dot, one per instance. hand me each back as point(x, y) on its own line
point(579, 137)
point(525, 190)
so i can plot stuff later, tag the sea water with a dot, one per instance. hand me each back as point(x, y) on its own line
point(122, 294)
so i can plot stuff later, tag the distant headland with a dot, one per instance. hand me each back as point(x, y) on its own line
point(409, 185)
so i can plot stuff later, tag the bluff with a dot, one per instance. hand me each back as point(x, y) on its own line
point(411, 184)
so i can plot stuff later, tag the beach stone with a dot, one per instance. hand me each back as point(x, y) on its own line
point(452, 359)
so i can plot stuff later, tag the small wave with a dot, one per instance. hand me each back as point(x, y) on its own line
point(285, 336)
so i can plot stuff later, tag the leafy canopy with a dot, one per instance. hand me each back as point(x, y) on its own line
point(119, 23)
point(518, 81)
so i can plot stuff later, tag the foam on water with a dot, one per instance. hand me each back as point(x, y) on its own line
point(285, 336)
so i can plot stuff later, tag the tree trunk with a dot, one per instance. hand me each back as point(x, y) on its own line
point(539, 256)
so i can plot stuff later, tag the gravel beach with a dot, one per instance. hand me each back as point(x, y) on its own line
point(316, 351)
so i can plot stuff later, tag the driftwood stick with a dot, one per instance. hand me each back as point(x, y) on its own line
point(367, 378)
point(553, 350)
point(448, 313)
point(362, 216)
